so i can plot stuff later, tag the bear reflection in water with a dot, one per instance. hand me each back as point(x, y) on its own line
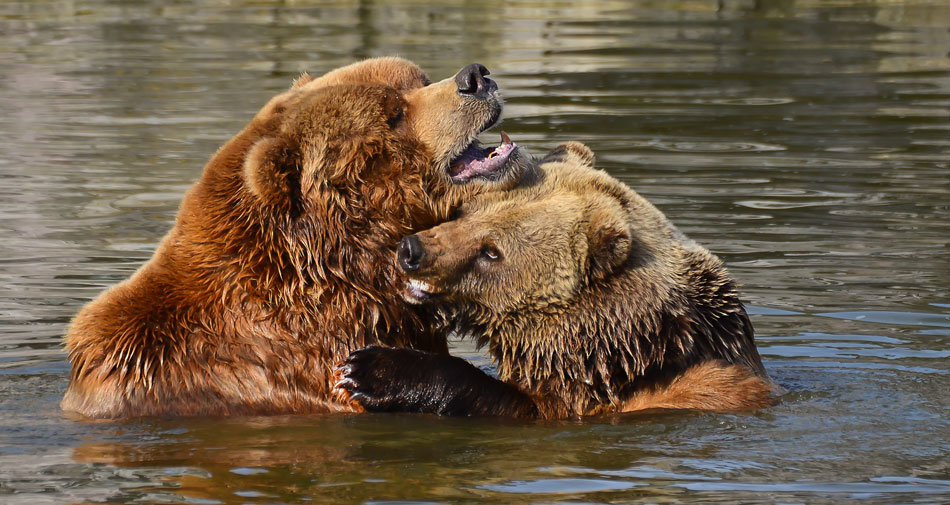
point(589, 300)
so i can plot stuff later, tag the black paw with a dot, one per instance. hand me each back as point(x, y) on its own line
point(405, 380)
point(385, 378)
point(361, 377)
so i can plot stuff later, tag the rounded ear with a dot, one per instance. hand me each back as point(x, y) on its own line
point(571, 152)
point(609, 242)
point(304, 79)
point(271, 170)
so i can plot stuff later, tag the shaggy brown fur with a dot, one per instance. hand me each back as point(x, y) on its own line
point(589, 300)
point(279, 264)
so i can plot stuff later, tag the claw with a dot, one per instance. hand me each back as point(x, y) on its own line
point(360, 398)
point(505, 139)
point(346, 383)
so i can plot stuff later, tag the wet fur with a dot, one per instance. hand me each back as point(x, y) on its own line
point(631, 316)
point(279, 263)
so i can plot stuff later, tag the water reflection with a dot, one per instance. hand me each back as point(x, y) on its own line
point(803, 141)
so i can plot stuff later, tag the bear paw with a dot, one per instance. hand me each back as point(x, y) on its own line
point(385, 379)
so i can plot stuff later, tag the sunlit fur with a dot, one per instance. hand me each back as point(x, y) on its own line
point(597, 303)
point(280, 261)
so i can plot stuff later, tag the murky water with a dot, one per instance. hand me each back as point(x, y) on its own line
point(805, 142)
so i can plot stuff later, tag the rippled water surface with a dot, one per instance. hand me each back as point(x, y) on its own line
point(807, 143)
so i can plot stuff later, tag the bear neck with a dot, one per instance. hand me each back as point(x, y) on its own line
point(622, 333)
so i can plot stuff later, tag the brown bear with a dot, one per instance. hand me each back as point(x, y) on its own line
point(589, 300)
point(279, 263)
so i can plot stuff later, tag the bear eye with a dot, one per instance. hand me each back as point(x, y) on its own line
point(397, 116)
point(490, 253)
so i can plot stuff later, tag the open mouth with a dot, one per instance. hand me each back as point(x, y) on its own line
point(417, 291)
point(484, 162)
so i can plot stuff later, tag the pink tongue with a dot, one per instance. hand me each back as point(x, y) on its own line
point(486, 165)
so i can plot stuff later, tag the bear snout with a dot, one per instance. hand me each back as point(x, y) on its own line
point(471, 81)
point(409, 253)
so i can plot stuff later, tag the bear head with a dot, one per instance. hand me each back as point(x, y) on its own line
point(330, 174)
point(538, 246)
point(372, 120)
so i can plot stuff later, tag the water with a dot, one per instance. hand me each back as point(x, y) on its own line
point(807, 143)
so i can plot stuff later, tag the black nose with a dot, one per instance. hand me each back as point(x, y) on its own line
point(471, 81)
point(409, 253)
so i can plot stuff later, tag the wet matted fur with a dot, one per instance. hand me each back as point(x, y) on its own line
point(279, 262)
point(588, 298)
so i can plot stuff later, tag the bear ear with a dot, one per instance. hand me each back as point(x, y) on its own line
point(609, 243)
point(304, 79)
point(271, 170)
point(571, 152)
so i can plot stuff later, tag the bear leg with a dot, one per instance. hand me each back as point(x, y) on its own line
point(386, 379)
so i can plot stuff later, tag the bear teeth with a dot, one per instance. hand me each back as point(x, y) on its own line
point(417, 291)
point(420, 286)
point(476, 161)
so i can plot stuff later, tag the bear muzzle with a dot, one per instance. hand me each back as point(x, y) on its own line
point(409, 253)
point(414, 262)
point(472, 82)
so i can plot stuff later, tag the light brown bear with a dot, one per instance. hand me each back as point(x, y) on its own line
point(280, 261)
point(590, 302)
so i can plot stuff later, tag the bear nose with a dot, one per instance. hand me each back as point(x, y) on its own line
point(471, 81)
point(409, 253)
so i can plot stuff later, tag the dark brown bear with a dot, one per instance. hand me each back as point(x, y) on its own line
point(280, 261)
point(590, 302)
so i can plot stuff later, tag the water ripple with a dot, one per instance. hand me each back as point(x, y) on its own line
point(572, 486)
point(891, 317)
